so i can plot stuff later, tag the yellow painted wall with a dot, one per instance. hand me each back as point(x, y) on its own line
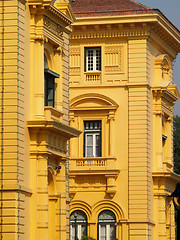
point(34, 138)
point(131, 97)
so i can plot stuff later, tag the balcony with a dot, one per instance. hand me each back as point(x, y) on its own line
point(92, 77)
point(52, 113)
point(94, 166)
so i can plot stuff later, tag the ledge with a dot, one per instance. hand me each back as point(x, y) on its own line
point(52, 125)
point(171, 175)
point(17, 188)
point(52, 113)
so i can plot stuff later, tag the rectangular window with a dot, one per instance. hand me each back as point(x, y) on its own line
point(107, 232)
point(92, 139)
point(92, 59)
point(49, 77)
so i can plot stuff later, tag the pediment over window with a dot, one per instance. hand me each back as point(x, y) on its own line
point(163, 69)
point(92, 101)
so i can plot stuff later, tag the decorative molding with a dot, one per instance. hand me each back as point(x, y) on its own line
point(52, 26)
point(113, 58)
point(167, 179)
point(107, 103)
point(71, 117)
point(48, 28)
point(65, 8)
point(94, 166)
point(109, 34)
point(17, 188)
point(75, 70)
point(74, 50)
point(53, 126)
point(164, 98)
point(72, 194)
point(111, 192)
point(92, 77)
point(75, 60)
point(162, 33)
point(39, 2)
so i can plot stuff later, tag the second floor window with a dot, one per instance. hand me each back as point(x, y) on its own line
point(92, 59)
point(50, 86)
point(92, 139)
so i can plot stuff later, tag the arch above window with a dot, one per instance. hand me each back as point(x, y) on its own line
point(106, 225)
point(78, 225)
point(106, 216)
point(79, 215)
point(163, 68)
point(93, 101)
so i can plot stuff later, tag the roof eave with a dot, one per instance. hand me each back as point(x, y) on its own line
point(115, 19)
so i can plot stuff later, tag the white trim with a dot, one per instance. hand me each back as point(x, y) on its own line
point(94, 144)
point(94, 58)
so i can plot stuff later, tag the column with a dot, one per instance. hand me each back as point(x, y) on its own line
point(73, 141)
point(157, 131)
point(63, 205)
point(58, 69)
point(158, 141)
point(39, 78)
point(42, 199)
point(169, 148)
point(111, 133)
point(32, 65)
point(162, 218)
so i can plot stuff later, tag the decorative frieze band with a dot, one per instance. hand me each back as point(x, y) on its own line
point(52, 26)
point(110, 34)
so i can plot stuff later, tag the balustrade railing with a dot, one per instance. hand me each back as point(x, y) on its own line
point(94, 162)
point(93, 77)
point(99, 162)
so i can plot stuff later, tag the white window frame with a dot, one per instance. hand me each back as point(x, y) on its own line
point(94, 133)
point(107, 224)
point(107, 231)
point(79, 231)
point(94, 145)
point(94, 59)
point(81, 224)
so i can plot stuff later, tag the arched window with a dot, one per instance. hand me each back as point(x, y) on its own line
point(107, 225)
point(78, 225)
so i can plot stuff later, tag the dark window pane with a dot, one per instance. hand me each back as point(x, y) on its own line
point(90, 151)
point(49, 90)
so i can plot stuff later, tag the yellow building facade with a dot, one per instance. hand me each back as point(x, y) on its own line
point(34, 83)
point(122, 96)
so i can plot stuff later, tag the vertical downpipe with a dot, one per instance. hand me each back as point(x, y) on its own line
point(2, 120)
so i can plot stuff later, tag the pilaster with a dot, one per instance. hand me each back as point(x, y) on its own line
point(111, 120)
point(140, 215)
point(42, 198)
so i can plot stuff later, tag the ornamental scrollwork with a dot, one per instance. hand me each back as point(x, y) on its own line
point(52, 26)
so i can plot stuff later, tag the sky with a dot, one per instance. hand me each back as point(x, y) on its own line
point(171, 9)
